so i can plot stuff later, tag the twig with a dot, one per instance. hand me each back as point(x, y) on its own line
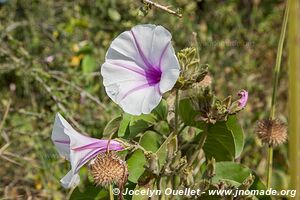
point(164, 8)
point(90, 96)
point(6, 158)
point(54, 74)
point(2, 149)
point(10, 160)
point(57, 101)
point(5, 115)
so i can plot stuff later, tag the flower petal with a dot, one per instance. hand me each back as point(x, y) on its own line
point(112, 69)
point(168, 79)
point(170, 70)
point(169, 60)
point(161, 41)
point(124, 48)
point(70, 180)
point(243, 94)
point(59, 138)
point(142, 100)
point(126, 85)
point(77, 148)
point(136, 62)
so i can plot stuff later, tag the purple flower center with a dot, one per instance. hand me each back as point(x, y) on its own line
point(153, 75)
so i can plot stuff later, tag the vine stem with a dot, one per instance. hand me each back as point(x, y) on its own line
point(111, 194)
point(275, 86)
point(270, 164)
point(176, 111)
point(294, 97)
point(200, 146)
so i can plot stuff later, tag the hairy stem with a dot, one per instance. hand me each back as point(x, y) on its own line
point(275, 86)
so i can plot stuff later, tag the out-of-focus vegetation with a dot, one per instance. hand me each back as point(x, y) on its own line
point(51, 52)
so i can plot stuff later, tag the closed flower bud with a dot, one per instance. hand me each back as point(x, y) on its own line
point(272, 132)
point(211, 168)
point(187, 177)
point(153, 163)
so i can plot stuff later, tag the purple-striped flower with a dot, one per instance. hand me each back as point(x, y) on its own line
point(140, 65)
point(243, 94)
point(77, 148)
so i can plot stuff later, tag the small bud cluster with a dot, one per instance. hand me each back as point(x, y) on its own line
point(193, 73)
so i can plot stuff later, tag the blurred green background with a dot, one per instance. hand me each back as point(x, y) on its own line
point(51, 53)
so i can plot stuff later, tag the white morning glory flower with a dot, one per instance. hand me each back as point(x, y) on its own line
point(77, 148)
point(140, 65)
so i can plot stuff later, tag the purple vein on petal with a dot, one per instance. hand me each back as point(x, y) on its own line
point(62, 141)
point(147, 63)
point(88, 146)
point(135, 89)
point(130, 68)
point(88, 157)
point(98, 144)
point(92, 154)
point(162, 54)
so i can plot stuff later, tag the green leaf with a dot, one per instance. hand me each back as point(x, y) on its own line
point(162, 152)
point(161, 111)
point(141, 188)
point(279, 180)
point(230, 171)
point(89, 192)
point(150, 141)
point(114, 14)
point(136, 164)
point(238, 134)
point(219, 142)
point(139, 124)
point(88, 64)
point(187, 113)
point(124, 125)
point(132, 125)
point(86, 49)
point(129, 186)
point(112, 126)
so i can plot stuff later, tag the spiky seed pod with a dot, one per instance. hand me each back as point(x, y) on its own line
point(109, 168)
point(272, 132)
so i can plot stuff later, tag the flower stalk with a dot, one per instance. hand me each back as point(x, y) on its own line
point(274, 92)
point(111, 194)
point(176, 111)
point(294, 97)
point(200, 145)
